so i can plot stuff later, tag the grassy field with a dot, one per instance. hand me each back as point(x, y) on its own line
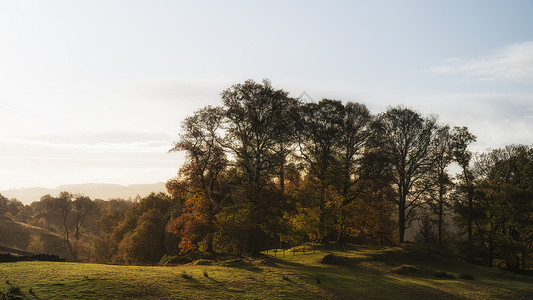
point(407, 272)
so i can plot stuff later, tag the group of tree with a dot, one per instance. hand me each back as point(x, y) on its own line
point(495, 205)
point(105, 231)
point(265, 170)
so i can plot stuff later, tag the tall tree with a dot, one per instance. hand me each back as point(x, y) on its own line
point(206, 158)
point(441, 157)
point(462, 138)
point(320, 133)
point(354, 140)
point(61, 206)
point(257, 122)
point(407, 139)
point(259, 119)
point(82, 207)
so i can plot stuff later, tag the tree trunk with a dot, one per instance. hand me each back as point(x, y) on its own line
point(470, 208)
point(440, 213)
point(401, 220)
point(322, 218)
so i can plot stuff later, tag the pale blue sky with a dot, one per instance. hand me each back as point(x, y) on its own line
point(94, 91)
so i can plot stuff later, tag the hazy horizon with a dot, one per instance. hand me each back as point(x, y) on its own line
point(95, 91)
point(104, 191)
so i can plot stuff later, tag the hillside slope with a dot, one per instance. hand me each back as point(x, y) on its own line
point(16, 235)
point(407, 272)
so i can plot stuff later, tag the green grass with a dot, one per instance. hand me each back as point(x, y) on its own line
point(360, 272)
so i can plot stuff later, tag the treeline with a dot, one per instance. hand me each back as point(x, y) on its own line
point(265, 170)
point(105, 231)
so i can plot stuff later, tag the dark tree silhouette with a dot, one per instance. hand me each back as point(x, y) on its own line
point(407, 139)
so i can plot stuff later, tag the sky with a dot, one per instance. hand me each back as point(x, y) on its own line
point(95, 91)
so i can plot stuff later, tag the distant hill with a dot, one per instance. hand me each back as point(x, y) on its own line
point(93, 190)
point(15, 237)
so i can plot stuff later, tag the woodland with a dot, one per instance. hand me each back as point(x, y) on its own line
point(267, 171)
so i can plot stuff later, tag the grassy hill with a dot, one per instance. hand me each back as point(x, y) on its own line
point(362, 272)
point(16, 235)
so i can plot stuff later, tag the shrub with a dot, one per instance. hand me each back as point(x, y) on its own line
point(14, 290)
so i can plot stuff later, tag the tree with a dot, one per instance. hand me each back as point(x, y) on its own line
point(354, 139)
point(3, 205)
point(406, 139)
point(355, 136)
point(206, 158)
point(441, 157)
point(320, 132)
point(36, 244)
point(61, 206)
point(258, 119)
point(194, 225)
point(503, 210)
point(145, 243)
point(461, 139)
point(105, 244)
point(82, 206)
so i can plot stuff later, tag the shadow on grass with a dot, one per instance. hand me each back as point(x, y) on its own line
point(351, 280)
point(240, 264)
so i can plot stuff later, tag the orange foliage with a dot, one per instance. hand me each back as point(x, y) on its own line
point(194, 225)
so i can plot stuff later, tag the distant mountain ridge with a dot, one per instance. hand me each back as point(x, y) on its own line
point(93, 190)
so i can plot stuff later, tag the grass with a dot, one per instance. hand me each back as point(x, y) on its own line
point(353, 273)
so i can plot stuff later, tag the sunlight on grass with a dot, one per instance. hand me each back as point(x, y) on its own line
point(363, 274)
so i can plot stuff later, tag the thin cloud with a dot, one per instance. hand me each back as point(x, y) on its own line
point(510, 63)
